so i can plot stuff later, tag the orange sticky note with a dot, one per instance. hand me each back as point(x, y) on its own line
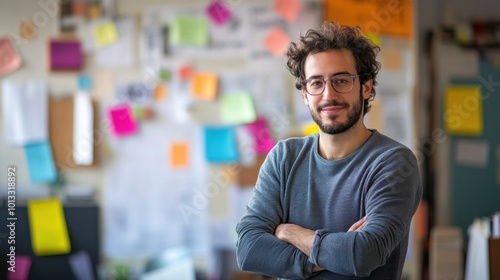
point(287, 9)
point(27, 30)
point(276, 41)
point(204, 86)
point(160, 92)
point(9, 59)
point(79, 8)
point(179, 154)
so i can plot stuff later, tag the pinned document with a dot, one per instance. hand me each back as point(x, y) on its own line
point(83, 128)
point(49, 234)
point(276, 41)
point(237, 108)
point(220, 145)
point(24, 111)
point(464, 110)
point(204, 86)
point(9, 59)
point(189, 31)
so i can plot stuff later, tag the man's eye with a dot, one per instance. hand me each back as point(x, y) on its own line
point(316, 83)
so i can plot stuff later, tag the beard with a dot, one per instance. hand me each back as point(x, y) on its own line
point(334, 127)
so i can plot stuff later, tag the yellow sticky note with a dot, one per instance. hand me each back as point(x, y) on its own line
point(311, 128)
point(204, 86)
point(105, 34)
point(179, 155)
point(375, 38)
point(49, 234)
point(464, 110)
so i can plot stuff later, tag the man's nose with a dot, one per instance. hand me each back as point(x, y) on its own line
point(329, 93)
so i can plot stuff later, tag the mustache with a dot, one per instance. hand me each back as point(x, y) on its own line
point(332, 103)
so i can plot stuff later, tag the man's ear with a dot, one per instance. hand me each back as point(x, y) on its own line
point(304, 96)
point(367, 89)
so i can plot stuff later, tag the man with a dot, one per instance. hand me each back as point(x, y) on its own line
point(337, 204)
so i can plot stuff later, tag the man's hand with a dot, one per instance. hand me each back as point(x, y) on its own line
point(359, 225)
point(298, 236)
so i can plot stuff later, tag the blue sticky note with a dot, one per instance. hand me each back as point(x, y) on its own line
point(40, 162)
point(220, 145)
point(84, 82)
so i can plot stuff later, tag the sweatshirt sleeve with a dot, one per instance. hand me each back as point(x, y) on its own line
point(391, 200)
point(257, 248)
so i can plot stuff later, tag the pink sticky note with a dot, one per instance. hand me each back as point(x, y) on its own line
point(276, 41)
point(22, 268)
point(218, 12)
point(9, 59)
point(287, 9)
point(263, 137)
point(122, 121)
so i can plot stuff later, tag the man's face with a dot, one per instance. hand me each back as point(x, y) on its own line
point(335, 112)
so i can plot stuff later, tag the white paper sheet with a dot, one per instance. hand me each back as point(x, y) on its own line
point(471, 153)
point(83, 138)
point(25, 111)
point(121, 53)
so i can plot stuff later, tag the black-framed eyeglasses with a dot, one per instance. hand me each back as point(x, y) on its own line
point(341, 83)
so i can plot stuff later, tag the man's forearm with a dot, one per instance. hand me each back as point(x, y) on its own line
point(300, 237)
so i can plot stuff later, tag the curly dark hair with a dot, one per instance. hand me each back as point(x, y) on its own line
point(334, 36)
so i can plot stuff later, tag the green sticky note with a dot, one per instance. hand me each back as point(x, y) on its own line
point(237, 108)
point(189, 31)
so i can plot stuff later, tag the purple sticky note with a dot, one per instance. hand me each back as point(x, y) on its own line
point(263, 137)
point(21, 270)
point(81, 265)
point(122, 121)
point(218, 12)
point(65, 55)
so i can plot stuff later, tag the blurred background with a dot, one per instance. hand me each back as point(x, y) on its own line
point(133, 131)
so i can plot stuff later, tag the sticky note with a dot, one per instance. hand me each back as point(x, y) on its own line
point(65, 55)
point(164, 74)
point(138, 111)
point(22, 270)
point(262, 135)
point(94, 10)
point(160, 92)
point(185, 72)
point(375, 38)
point(49, 234)
point(392, 59)
point(40, 162)
point(218, 12)
point(276, 41)
point(84, 82)
point(81, 265)
point(189, 31)
point(220, 145)
point(9, 59)
point(204, 86)
point(179, 154)
point(287, 9)
point(237, 108)
point(463, 114)
point(311, 128)
point(78, 8)
point(27, 30)
point(105, 34)
point(122, 121)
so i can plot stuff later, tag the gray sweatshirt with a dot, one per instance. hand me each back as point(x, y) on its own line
point(296, 185)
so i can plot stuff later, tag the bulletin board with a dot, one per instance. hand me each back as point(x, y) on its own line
point(475, 160)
